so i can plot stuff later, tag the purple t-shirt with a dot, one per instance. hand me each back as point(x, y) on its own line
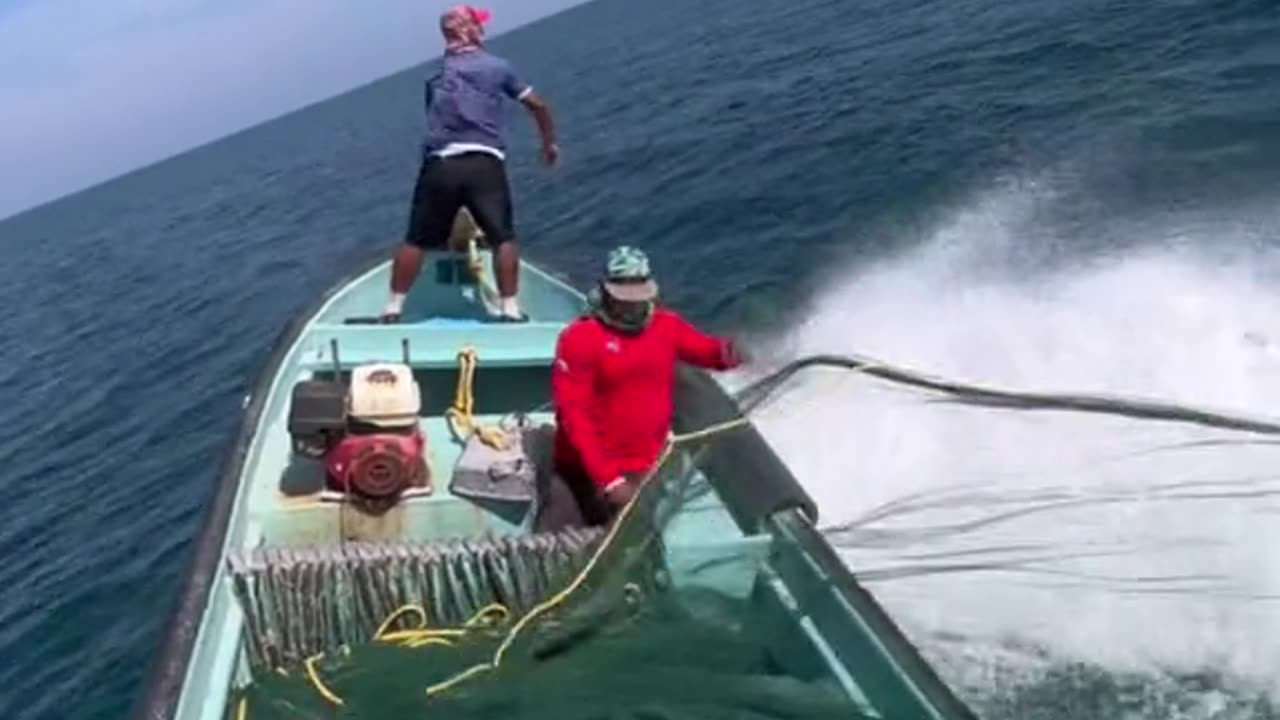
point(465, 101)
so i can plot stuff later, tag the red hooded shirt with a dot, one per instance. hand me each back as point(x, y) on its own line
point(613, 391)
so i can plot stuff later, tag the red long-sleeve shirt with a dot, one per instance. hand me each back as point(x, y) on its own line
point(613, 391)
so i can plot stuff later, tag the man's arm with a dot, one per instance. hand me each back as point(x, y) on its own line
point(697, 348)
point(546, 126)
point(517, 89)
point(572, 391)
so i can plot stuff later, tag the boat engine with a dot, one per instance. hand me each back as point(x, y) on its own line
point(368, 436)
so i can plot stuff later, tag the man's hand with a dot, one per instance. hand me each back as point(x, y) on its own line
point(619, 492)
point(736, 354)
point(550, 154)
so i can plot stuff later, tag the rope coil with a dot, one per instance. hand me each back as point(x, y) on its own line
point(464, 239)
point(461, 416)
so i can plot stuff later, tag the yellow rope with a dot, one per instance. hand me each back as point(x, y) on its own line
point(325, 692)
point(413, 638)
point(460, 417)
point(484, 612)
point(422, 613)
point(242, 711)
point(466, 232)
point(422, 635)
point(476, 266)
point(609, 538)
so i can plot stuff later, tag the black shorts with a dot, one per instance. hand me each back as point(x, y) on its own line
point(475, 180)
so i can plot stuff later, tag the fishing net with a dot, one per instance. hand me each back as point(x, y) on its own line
point(602, 632)
point(565, 625)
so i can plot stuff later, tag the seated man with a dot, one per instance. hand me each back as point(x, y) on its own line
point(612, 384)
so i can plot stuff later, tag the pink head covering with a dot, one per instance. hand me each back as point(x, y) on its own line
point(463, 27)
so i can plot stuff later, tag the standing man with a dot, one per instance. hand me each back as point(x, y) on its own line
point(464, 161)
point(612, 384)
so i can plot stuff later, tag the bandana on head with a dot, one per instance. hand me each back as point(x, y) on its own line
point(463, 28)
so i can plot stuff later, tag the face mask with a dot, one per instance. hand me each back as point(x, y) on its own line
point(630, 314)
point(626, 316)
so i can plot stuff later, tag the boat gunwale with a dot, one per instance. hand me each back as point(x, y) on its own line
point(790, 518)
point(167, 675)
point(929, 687)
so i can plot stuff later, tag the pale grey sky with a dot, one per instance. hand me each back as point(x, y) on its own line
point(94, 88)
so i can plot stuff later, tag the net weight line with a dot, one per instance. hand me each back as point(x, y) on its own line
point(303, 601)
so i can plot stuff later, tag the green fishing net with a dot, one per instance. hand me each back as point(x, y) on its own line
point(614, 639)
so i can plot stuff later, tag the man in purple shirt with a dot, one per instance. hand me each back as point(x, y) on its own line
point(464, 160)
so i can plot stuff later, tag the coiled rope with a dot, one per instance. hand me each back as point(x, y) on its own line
point(464, 239)
point(460, 416)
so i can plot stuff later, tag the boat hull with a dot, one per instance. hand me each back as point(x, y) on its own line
point(843, 630)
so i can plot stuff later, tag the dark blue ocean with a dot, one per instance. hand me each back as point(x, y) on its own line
point(1036, 194)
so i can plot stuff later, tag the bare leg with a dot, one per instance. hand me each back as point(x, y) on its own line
point(506, 268)
point(404, 270)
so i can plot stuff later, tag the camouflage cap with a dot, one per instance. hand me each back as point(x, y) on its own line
point(627, 276)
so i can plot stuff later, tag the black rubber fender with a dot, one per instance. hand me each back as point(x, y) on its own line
point(743, 469)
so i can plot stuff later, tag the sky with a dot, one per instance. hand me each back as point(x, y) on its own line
point(90, 89)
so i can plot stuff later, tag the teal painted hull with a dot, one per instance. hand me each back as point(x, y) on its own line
point(752, 537)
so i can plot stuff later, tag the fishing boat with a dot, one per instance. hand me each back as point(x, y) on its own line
point(363, 441)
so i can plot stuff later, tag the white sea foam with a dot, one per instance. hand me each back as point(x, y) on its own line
point(1131, 543)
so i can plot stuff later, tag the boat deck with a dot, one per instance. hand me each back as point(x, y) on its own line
point(442, 317)
point(821, 626)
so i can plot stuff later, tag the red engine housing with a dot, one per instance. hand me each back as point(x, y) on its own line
point(378, 466)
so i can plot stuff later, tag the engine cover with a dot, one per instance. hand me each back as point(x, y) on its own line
point(378, 467)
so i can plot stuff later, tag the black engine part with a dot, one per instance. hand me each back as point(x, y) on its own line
point(317, 416)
